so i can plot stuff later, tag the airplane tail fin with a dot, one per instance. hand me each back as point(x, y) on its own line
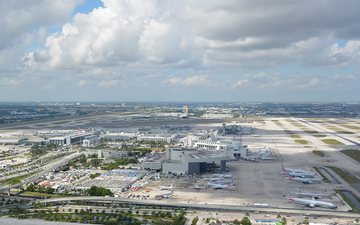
point(290, 196)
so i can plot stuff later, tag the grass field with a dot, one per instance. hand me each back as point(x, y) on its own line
point(352, 153)
point(295, 136)
point(332, 142)
point(319, 135)
point(38, 194)
point(15, 180)
point(318, 153)
point(350, 126)
point(301, 141)
point(311, 131)
point(277, 123)
point(347, 200)
point(348, 177)
point(344, 132)
point(325, 179)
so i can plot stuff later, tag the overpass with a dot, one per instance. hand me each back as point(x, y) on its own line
point(197, 206)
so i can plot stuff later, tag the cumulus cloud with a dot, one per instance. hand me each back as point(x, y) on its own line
point(109, 83)
point(275, 81)
point(138, 43)
point(240, 83)
point(21, 16)
point(312, 82)
point(9, 82)
point(349, 77)
point(193, 80)
point(231, 33)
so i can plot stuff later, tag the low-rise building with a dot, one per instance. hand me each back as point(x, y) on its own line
point(182, 161)
point(112, 154)
point(71, 139)
point(156, 138)
point(122, 136)
point(91, 141)
point(232, 148)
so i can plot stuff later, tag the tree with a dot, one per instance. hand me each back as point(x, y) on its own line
point(195, 220)
point(99, 191)
point(31, 187)
point(245, 221)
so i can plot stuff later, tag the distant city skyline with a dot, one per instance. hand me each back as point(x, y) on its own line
point(180, 51)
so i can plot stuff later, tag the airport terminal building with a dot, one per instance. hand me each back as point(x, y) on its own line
point(183, 161)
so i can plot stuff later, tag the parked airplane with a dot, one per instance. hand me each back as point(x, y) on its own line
point(170, 188)
point(297, 172)
point(315, 195)
point(166, 195)
point(217, 185)
point(287, 169)
point(250, 158)
point(312, 203)
point(197, 187)
point(220, 185)
point(309, 180)
point(266, 158)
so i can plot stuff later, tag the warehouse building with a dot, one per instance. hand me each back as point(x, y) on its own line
point(90, 141)
point(182, 161)
point(71, 139)
point(232, 148)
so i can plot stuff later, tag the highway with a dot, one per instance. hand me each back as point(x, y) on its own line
point(46, 169)
point(212, 207)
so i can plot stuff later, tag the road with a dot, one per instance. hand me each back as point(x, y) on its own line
point(46, 169)
point(212, 207)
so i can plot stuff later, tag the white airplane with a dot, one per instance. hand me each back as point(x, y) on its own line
point(301, 175)
point(197, 187)
point(217, 186)
point(312, 203)
point(250, 158)
point(315, 195)
point(170, 188)
point(291, 170)
point(297, 172)
point(309, 180)
point(266, 158)
point(166, 195)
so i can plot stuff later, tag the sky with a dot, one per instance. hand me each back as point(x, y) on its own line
point(171, 50)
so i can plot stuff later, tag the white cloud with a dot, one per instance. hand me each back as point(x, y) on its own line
point(83, 83)
point(349, 77)
point(312, 82)
point(207, 33)
point(138, 43)
point(109, 83)
point(194, 80)
point(240, 83)
point(21, 16)
point(9, 82)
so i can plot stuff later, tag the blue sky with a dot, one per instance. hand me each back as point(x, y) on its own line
point(117, 50)
point(87, 6)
